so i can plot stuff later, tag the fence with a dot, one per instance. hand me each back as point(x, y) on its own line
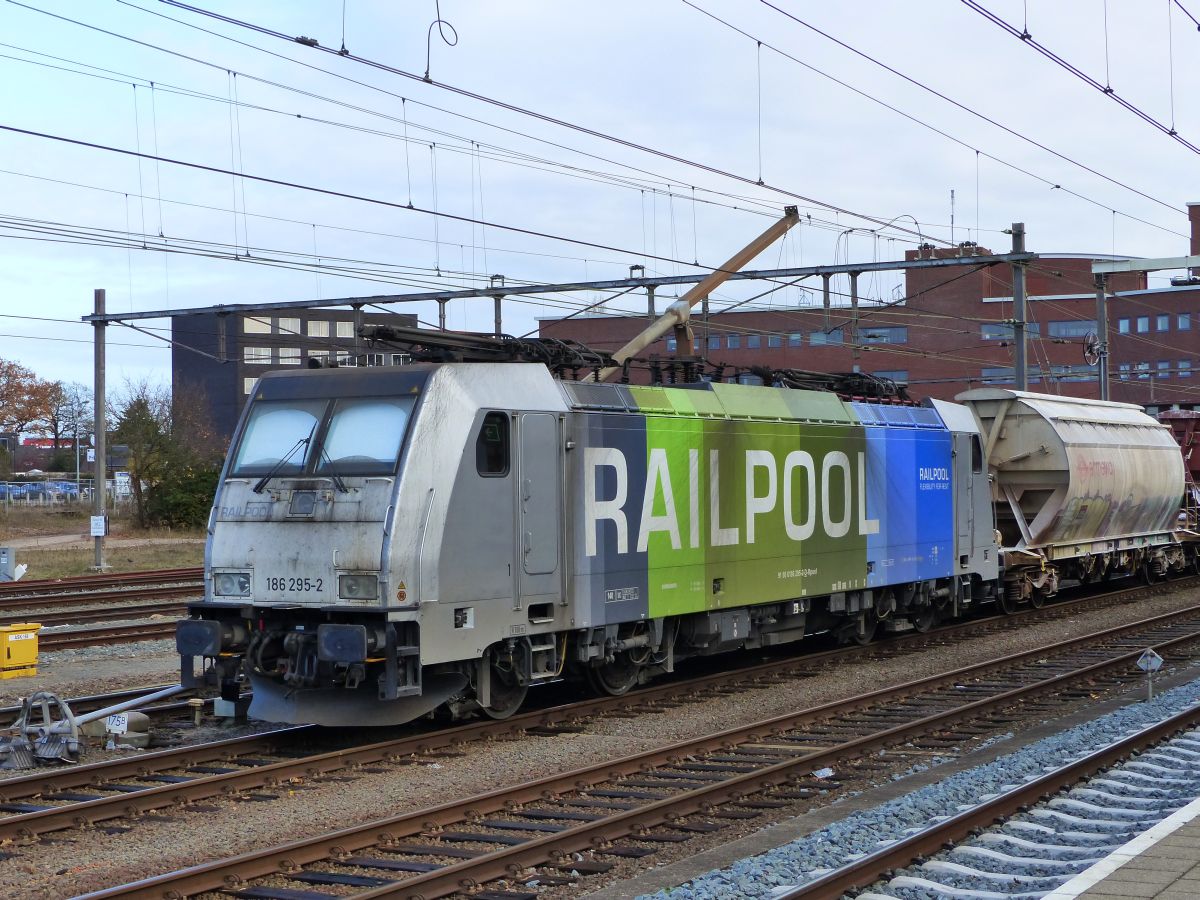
point(51, 491)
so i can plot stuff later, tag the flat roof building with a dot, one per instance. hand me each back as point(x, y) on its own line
point(953, 331)
point(219, 356)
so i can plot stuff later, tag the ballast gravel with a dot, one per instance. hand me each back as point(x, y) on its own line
point(74, 862)
point(864, 832)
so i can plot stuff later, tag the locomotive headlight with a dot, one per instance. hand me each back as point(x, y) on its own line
point(358, 587)
point(231, 584)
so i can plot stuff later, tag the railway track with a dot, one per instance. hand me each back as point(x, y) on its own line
point(103, 614)
point(103, 598)
point(13, 592)
point(106, 634)
point(628, 806)
point(262, 771)
point(1102, 821)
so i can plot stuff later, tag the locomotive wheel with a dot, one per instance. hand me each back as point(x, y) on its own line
point(925, 619)
point(864, 632)
point(614, 678)
point(508, 693)
point(1008, 604)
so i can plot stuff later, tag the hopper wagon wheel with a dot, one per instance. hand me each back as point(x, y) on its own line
point(1149, 576)
point(1195, 563)
point(615, 677)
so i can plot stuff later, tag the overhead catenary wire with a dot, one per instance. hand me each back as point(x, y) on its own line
point(525, 111)
point(959, 105)
point(1107, 90)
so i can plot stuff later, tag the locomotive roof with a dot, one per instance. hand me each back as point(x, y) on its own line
point(373, 381)
point(740, 401)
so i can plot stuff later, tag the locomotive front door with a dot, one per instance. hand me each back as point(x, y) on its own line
point(538, 493)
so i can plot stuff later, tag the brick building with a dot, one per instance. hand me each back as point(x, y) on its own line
point(952, 331)
point(219, 356)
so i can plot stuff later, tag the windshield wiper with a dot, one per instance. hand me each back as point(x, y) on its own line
point(338, 483)
point(278, 467)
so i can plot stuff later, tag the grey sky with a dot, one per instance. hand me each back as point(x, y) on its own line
point(659, 74)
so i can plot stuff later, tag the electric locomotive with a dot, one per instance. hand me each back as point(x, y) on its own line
point(386, 541)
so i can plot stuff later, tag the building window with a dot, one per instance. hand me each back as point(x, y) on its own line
point(373, 359)
point(1077, 372)
point(893, 374)
point(826, 338)
point(1164, 368)
point(399, 359)
point(289, 326)
point(795, 339)
point(1143, 370)
point(1007, 375)
point(1124, 370)
point(1185, 368)
point(774, 341)
point(714, 342)
point(1143, 324)
point(289, 356)
point(318, 328)
point(894, 335)
point(345, 329)
point(256, 356)
point(1003, 331)
point(1076, 329)
point(753, 341)
point(1184, 322)
point(1123, 326)
point(670, 345)
point(248, 385)
point(322, 356)
point(251, 325)
point(733, 341)
point(346, 360)
point(996, 331)
point(1163, 323)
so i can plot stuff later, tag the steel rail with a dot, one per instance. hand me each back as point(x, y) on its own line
point(585, 837)
point(568, 715)
point(113, 596)
point(97, 614)
point(33, 587)
point(872, 867)
point(106, 634)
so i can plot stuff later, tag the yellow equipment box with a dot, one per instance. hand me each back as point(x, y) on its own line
point(19, 649)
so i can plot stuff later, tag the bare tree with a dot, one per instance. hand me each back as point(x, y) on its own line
point(69, 412)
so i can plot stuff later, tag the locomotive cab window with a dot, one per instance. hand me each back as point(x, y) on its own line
point(278, 437)
point(976, 454)
point(364, 436)
point(491, 447)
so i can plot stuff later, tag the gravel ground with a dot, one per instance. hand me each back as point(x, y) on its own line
point(78, 861)
point(97, 670)
point(861, 833)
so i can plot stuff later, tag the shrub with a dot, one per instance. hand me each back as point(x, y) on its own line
point(182, 498)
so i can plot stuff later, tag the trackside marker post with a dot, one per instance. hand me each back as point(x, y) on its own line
point(1149, 662)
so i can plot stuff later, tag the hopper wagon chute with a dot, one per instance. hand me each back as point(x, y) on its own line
point(1083, 489)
